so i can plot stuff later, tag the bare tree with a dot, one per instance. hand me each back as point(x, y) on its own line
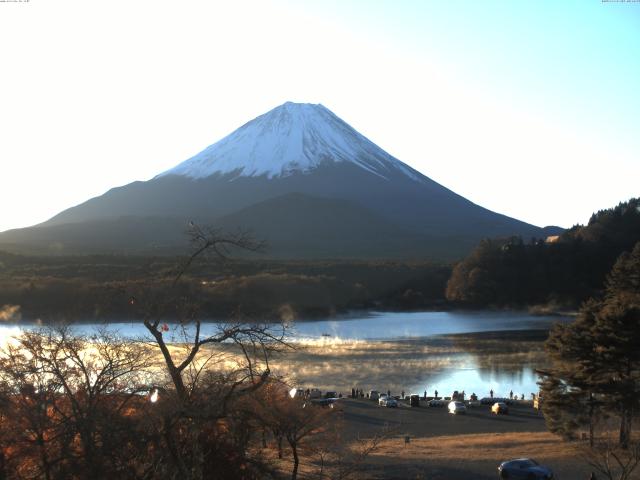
point(200, 393)
point(613, 461)
point(256, 341)
point(339, 461)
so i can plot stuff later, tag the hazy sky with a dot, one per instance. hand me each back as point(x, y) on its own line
point(531, 109)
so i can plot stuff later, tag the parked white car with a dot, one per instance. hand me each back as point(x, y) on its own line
point(296, 393)
point(500, 407)
point(457, 407)
point(386, 401)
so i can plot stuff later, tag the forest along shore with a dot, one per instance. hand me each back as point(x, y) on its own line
point(99, 288)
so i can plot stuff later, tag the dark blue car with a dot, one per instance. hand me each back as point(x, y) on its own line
point(524, 468)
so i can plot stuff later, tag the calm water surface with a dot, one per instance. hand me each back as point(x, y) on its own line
point(397, 326)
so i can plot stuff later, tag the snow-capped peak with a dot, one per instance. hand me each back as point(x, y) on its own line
point(294, 137)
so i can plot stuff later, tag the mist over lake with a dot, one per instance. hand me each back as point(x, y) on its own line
point(410, 352)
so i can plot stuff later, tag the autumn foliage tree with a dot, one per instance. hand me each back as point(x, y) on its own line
point(300, 422)
point(67, 404)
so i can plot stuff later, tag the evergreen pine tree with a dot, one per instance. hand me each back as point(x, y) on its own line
point(596, 359)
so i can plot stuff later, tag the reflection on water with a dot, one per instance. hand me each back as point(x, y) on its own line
point(477, 381)
point(414, 352)
point(475, 363)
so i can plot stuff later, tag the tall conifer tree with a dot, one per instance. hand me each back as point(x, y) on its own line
point(596, 359)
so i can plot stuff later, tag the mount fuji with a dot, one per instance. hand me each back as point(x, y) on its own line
point(300, 178)
point(292, 138)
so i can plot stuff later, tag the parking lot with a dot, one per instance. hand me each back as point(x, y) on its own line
point(365, 418)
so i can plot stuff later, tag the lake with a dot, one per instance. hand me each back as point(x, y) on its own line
point(415, 351)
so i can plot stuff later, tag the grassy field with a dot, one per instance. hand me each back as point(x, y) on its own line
point(473, 456)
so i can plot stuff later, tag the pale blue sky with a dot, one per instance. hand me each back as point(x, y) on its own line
point(528, 108)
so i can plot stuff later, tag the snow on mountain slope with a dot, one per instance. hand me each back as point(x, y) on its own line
point(294, 137)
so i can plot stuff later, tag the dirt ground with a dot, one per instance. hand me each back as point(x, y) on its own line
point(455, 447)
